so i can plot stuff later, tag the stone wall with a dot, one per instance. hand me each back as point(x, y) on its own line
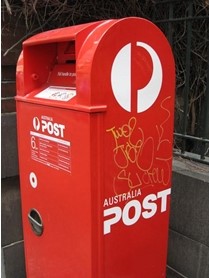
point(11, 227)
point(188, 254)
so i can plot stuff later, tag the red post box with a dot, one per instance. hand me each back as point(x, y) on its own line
point(95, 109)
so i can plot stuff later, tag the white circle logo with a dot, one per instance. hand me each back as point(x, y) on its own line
point(121, 79)
point(33, 180)
point(36, 123)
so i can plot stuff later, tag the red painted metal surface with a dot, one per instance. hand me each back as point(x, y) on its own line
point(95, 126)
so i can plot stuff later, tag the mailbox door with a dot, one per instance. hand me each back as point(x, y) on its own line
point(54, 147)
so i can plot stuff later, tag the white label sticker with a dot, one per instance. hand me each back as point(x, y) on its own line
point(57, 93)
point(51, 151)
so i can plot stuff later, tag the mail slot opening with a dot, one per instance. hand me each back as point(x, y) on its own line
point(66, 52)
point(70, 61)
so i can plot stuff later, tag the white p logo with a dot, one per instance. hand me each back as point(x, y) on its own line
point(121, 79)
point(36, 123)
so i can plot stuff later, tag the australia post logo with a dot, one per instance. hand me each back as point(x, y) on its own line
point(47, 125)
point(146, 208)
point(122, 78)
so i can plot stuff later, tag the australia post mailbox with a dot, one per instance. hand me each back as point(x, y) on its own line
point(95, 120)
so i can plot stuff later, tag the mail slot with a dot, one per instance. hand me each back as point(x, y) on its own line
point(95, 107)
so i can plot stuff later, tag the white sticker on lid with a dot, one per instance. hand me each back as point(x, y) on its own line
point(57, 93)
